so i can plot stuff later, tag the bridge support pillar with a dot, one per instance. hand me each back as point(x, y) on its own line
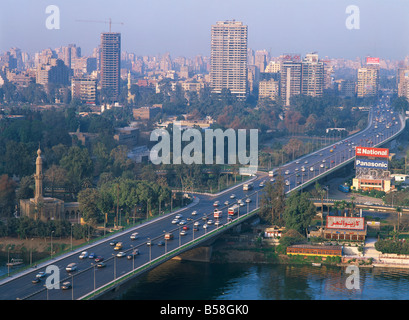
point(200, 254)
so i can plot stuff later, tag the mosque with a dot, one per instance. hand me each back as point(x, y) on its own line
point(46, 208)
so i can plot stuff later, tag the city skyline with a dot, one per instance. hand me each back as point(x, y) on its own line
point(184, 28)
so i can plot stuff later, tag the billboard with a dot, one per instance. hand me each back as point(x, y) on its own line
point(371, 152)
point(370, 60)
point(348, 223)
point(373, 164)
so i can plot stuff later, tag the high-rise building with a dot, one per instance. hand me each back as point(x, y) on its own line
point(111, 63)
point(312, 83)
point(403, 82)
point(290, 82)
point(368, 78)
point(229, 58)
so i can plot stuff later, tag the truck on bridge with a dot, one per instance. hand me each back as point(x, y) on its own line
point(247, 186)
point(233, 210)
point(217, 213)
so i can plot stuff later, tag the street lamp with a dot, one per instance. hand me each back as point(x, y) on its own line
point(51, 253)
point(71, 235)
point(114, 265)
point(150, 250)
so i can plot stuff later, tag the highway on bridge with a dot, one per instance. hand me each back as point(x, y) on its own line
point(88, 276)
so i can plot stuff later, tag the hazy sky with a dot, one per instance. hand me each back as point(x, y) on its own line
point(182, 27)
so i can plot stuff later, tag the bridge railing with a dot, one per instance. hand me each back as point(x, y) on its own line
point(154, 262)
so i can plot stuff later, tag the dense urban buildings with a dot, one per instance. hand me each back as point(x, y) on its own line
point(229, 58)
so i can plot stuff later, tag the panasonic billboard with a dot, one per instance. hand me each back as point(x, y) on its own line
point(373, 164)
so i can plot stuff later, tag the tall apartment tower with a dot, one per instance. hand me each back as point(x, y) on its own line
point(368, 81)
point(290, 82)
point(228, 66)
point(312, 83)
point(403, 82)
point(110, 59)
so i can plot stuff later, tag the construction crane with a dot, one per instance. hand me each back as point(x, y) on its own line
point(105, 21)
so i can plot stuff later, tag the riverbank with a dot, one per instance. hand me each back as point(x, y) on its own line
point(247, 251)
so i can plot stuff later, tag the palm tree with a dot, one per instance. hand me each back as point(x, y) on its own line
point(336, 207)
point(353, 205)
point(399, 212)
point(342, 206)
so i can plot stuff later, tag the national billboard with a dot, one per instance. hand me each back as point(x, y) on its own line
point(349, 223)
point(371, 60)
point(372, 152)
point(373, 164)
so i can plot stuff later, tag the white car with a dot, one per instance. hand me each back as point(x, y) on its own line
point(181, 223)
point(178, 216)
point(216, 204)
point(83, 255)
point(233, 196)
point(71, 267)
point(287, 183)
point(121, 254)
point(287, 172)
point(134, 236)
point(175, 221)
point(209, 221)
point(197, 223)
point(248, 200)
point(205, 226)
point(194, 213)
point(182, 233)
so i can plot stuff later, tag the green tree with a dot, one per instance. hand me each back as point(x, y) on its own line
point(78, 164)
point(299, 212)
point(89, 199)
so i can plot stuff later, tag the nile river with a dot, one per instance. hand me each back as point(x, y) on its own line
point(182, 280)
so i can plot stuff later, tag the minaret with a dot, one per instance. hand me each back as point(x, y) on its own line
point(38, 196)
point(131, 97)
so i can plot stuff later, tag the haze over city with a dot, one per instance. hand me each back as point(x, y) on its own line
point(182, 27)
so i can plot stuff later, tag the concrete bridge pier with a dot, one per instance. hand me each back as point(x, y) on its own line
point(200, 254)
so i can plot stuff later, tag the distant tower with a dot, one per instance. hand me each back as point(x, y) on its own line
point(38, 196)
point(111, 63)
point(131, 97)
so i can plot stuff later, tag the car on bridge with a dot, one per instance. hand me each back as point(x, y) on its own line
point(134, 236)
point(71, 267)
point(66, 285)
point(83, 255)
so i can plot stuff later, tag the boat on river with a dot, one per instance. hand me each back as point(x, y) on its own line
point(14, 262)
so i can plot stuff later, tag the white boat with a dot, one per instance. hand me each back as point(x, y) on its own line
point(14, 262)
point(315, 264)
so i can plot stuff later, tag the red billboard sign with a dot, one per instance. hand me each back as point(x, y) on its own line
point(371, 152)
point(349, 223)
point(370, 60)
